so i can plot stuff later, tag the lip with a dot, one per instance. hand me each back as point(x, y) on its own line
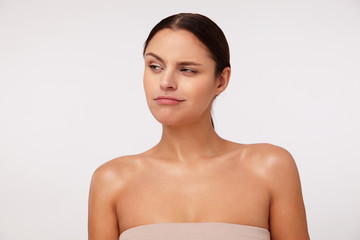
point(168, 100)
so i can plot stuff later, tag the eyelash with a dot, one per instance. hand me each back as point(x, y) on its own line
point(188, 70)
point(156, 67)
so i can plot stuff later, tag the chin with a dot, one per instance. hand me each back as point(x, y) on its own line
point(168, 121)
point(172, 117)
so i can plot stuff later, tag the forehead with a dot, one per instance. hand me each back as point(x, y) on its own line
point(178, 44)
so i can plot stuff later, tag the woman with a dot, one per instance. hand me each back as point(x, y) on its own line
point(193, 184)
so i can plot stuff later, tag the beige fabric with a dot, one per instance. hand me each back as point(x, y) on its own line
point(195, 231)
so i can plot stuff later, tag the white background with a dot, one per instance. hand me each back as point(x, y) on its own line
point(71, 98)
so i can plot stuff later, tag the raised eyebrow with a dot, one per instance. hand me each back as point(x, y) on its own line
point(184, 63)
point(189, 63)
point(155, 56)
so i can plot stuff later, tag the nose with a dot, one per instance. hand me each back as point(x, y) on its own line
point(168, 81)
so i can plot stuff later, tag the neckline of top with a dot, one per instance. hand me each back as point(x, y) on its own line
point(183, 223)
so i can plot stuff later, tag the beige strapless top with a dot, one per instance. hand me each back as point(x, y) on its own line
point(195, 231)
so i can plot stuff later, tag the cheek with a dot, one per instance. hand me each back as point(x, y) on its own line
point(148, 87)
point(203, 93)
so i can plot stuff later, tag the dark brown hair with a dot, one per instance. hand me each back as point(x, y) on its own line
point(204, 29)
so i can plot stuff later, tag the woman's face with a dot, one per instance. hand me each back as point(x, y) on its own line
point(179, 78)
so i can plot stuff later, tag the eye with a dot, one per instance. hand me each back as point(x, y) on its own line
point(155, 68)
point(188, 70)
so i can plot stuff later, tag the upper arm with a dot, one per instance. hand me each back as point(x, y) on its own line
point(287, 211)
point(102, 218)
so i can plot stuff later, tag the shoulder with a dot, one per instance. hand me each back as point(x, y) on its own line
point(269, 155)
point(271, 162)
point(275, 167)
point(113, 175)
point(107, 183)
point(277, 170)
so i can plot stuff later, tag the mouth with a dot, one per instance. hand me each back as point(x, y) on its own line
point(167, 100)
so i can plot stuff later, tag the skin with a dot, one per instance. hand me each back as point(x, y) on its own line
point(192, 174)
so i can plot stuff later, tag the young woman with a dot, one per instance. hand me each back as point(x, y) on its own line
point(193, 184)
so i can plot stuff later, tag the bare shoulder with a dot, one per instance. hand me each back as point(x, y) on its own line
point(107, 182)
point(277, 168)
point(268, 152)
point(269, 158)
point(271, 163)
point(114, 173)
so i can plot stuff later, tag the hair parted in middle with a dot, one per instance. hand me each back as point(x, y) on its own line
point(207, 31)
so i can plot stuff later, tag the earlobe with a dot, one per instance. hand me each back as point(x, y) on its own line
point(223, 80)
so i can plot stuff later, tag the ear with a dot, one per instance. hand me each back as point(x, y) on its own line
point(222, 80)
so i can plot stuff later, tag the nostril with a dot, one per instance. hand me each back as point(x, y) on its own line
point(168, 85)
point(169, 80)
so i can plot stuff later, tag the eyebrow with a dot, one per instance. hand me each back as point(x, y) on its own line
point(155, 56)
point(184, 63)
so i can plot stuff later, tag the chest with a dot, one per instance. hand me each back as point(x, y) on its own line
point(222, 194)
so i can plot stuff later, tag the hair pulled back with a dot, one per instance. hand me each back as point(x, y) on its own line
point(204, 29)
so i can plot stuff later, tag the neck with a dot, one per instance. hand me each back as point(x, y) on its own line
point(190, 143)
